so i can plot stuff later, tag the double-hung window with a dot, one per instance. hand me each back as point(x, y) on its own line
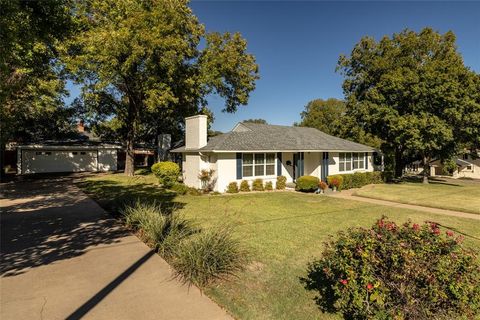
point(258, 164)
point(349, 161)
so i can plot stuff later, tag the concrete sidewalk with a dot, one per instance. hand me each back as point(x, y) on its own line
point(63, 257)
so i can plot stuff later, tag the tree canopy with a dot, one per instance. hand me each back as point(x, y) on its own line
point(31, 86)
point(330, 117)
point(413, 91)
point(141, 62)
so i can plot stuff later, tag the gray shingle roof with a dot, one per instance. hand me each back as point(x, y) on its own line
point(254, 136)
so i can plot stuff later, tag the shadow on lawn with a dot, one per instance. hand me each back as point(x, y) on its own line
point(114, 195)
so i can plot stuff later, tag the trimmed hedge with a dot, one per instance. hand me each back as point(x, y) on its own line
point(244, 186)
point(307, 184)
point(167, 173)
point(281, 183)
point(232, 187)
point(268, 186)
point(257, 185)
point(357, 179)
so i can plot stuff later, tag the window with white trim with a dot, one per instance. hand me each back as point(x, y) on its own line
point(258, 164)
point(349, 161)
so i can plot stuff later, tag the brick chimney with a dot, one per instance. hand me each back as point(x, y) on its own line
point(196, 132)
point(80, 126)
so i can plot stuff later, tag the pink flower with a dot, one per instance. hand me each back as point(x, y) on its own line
point(369, 286)
point(459, 239)
point(436, 231)
point(449, 233)
point(344, 281)
point(380, 223)
point(416, 227)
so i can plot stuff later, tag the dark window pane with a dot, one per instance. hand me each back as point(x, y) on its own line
point(259, 158)
point(270, 169)
point(247, 158)
point(270, 157)
point(348, 166)
point(342, 166)
point(247, 171)
point(259, 170)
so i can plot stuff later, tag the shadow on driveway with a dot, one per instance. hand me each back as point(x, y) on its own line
point(46, 220)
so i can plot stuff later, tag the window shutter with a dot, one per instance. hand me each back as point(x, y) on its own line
point(239, 166)
point(279, 163)
point(326, 165)
point(366, 160)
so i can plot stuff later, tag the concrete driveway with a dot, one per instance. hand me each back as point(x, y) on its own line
point(63, 257)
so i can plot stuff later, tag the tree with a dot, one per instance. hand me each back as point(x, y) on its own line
point(414, 92)
point(330, 117)
point(325, 115)
point(260, 121)
point(142, 59)
point(31, 86)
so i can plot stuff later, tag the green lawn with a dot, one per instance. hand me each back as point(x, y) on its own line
point(283, 230)
point(460, 195)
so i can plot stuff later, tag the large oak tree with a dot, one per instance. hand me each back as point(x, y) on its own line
point(414, 92)
point(143, 59)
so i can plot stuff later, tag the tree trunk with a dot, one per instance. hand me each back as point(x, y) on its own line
point(426, 169)
point(398, 163)
point(131, 124)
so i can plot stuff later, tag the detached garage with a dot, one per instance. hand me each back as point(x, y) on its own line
point(74, 157)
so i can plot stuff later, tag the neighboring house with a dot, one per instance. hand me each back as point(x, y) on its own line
point(85, 153)
point(66, 157)
point(467, 167)
point(252, 151)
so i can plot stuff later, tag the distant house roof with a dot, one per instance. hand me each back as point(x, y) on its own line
point(263, 137)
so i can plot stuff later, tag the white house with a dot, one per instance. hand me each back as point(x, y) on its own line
point(468, 166)
point(252, 151)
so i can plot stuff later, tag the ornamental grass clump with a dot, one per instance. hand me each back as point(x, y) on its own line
point(162, 231)
point(392, 271)
point(210, 255)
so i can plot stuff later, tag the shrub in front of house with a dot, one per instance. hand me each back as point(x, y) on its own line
point(244, 186)
point(208, 256)
point(167, 173)
point(335, 181)
point(179, 188)
point(357, 179)
point(307, 184)
point(268, 186)
point(232, 187)
point(206, 178)
point(281, 183)
point(391, 271)
point(257, 185)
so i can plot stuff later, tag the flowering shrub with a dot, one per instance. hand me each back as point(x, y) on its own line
point(322, 185)
point(167, 173)
point(206, 178)
point(397, 272)
point(281, 183)
point(307, 184)
point(335, 181)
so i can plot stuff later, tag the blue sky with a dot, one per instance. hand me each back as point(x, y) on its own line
point(297, 45)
